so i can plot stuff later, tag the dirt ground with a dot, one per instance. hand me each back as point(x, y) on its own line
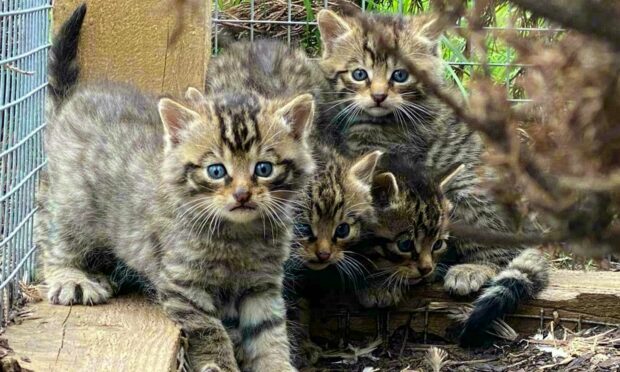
point(594, 349)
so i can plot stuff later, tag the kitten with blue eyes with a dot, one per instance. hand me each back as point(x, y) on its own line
point(193, 195)
point(379, 105)
point(411, 233)
point(335, 211)
point(333, 215)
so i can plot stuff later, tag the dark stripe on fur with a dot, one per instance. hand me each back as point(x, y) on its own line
point(194, 306)
point(249, 333)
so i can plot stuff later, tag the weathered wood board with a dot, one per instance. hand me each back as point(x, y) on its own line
point(579, 298)
point(131, 334)
point(128, 334)
point(128, 41)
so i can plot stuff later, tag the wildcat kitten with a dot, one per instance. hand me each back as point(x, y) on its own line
point(193, 205)
point(336, 209)
point(385, 106)
point(411, 231)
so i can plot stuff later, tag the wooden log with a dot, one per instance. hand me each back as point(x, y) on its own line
point(579, 299)
point(127, 334)
point(131, 334)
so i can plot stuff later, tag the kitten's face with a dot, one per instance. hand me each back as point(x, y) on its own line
point(337, 206)
point(359, 60)
point(414, 232)
point(239, 158)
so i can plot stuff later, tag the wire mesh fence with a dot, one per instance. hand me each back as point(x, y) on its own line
point(294, 21)
point(24, 40)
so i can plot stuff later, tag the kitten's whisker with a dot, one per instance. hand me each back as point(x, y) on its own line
point(362, 256)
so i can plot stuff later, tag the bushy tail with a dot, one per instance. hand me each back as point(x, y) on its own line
point(63, 68)
point(524, 278)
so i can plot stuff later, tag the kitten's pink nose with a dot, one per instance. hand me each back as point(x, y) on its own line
point(323, 255)
point(379, 97)
point(424, 269)
point(242, 195)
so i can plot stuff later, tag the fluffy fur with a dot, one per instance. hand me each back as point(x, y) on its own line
point(147, 194)
point(384, 108)
point(336, 210)
point(333, 215)
point(411, 231)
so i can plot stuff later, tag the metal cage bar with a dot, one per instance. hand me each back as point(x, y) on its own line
point(24, 40)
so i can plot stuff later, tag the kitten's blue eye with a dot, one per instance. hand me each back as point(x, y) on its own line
point(216, 171)
point(303, 230)
point(342, 231)
point(439, 244)
point(400, 76)
point(405, 245)
point(359, 74)
point(263, 169)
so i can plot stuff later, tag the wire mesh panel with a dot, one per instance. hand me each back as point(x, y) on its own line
point(24, 39)
point(294, 21)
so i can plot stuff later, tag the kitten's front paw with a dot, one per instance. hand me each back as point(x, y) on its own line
point(311, 352)
point(79, 289)
point(378, 297)
point(465, 279)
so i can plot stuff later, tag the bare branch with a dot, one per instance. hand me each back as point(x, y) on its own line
point(598, 18)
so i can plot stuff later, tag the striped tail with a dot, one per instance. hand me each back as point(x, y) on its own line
point(63, 68)
point(524, 278)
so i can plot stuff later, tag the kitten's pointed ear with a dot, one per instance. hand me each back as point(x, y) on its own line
point(175, 118)
point(364, 168)
point(426, 29)
point(194, 95)
point(331, 27)
point(196, 100)
point(384, 188)
point(446, 180)
point(299, 115)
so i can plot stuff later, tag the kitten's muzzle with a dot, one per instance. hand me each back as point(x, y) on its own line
point(249, 206)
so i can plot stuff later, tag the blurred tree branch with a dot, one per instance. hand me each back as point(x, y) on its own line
point(560, 155)
point(599, 18)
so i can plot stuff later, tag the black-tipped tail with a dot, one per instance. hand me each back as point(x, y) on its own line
point(63, 68)
point(524, 278)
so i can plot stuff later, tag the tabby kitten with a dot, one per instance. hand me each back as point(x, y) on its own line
point(410, 234)
point(193, 205)
point(335, 210)
point(332, 216)
point(383, 105)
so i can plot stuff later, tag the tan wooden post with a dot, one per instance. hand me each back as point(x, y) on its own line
point(127, 40)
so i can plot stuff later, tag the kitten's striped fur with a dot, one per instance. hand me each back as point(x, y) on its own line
point(118, 179)
point(338, 196)
point(382, 113)
point(411, 230)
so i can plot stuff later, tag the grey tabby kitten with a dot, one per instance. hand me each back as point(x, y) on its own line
point(194, 205)
point(382, 106)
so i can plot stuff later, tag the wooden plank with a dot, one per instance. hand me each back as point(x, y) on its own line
point(127, 334)
point(128, 41)
point(588, 298)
